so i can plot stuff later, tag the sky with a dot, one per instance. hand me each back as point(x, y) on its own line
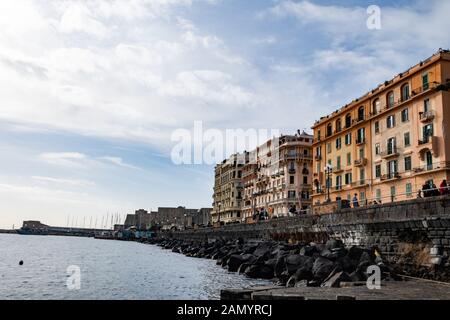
point(92, 91)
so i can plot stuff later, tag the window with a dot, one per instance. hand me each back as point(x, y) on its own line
point(338, 182)
point(377, 127)
point(361, 135)
point(348, 139)
point(361, 153)
point(361, 113)
point(378, 195)
point(329, 130)
point(338, 143)
point(405, 115)
point(318, 151)
point(348, 120)
point(427, 132)
point(318, 135)
point(377, 171)
point(392, 168)
point(426, 105)
point(390, 99)
point(291, 179)
point(349, 159)
point(407, 139)
point(393, 193)
point(390, 121)
point(408, 189)
point(429, 160)
point(338, 125)
point(377, 149)
point(362, 196)
point(305, 179)
point(425, 84)
point(338, 163)
point(391, 146)
point(362, 176)
point(405, 92)
point(328, 147)
point(348, 178)
point(408, 164)
point(376, 106)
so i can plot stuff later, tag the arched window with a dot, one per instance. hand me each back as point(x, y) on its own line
point(405, 92)
point(361, 113)
point(329, 130)
point(390, 99)
point(376, 106)
point(348, 120)
point(338, 125)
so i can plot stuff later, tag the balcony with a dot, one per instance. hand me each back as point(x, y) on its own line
point(338, 169)
point(390, 176)
point(360, 141)
point(360, 162)
point(318, 157)
point(426, 116)
point(390, 153)
point(292, 171)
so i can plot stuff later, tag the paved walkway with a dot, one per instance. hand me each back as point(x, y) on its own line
point(392, 290)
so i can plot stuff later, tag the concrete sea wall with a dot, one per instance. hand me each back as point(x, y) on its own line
point(415, 229)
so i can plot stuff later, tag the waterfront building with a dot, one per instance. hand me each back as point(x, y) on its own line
point(168, 218)
point(228, 189)
point(385, 145)
point(277, 177)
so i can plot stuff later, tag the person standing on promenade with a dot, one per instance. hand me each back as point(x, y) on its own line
point(443, 188)
point(355, 201)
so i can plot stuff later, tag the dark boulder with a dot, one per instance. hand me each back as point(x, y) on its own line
point(322, 268)
point(295, 262)
point(259, 271)
point(333, 243)
point(235, 261)
point(355, 253)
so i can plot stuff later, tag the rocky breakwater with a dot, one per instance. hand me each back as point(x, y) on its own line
point(289, 265)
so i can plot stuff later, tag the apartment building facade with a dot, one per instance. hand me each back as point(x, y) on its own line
point(277, 176)
point(387, 144)
point(228, 189)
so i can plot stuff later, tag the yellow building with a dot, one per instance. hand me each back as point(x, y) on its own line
point(228, 190)
point(387, 144)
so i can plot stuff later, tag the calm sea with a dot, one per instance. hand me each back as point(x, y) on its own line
point(108, 270)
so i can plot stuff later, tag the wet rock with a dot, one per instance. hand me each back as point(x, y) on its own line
point(295, 262)
point(259, 271)
point(322, 268)
point(333, 243)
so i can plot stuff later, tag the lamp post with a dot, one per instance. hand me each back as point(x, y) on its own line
point(328, 170)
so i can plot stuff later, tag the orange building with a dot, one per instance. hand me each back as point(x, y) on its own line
point(387, 144)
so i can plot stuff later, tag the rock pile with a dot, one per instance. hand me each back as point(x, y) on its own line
point(288, 264)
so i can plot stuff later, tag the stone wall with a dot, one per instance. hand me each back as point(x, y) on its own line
point(402, 228)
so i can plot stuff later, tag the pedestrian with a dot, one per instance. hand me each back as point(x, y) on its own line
point(434, 190)
point(355, 201)
point(426, 190)
point(443, 188)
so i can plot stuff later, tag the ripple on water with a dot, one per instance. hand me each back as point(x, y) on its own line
point(109, 270)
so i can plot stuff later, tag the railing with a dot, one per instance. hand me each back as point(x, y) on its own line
point(432, 166)
point(360, 162)
point(425, 140)
point(390, 152)
point(391, 176)
point(427, 116)
point(360, 141)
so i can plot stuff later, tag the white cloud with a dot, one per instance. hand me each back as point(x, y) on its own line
point(71, 159)
point(118, 162)
point(65, 182)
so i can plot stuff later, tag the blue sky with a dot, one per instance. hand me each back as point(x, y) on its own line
point(92, 90)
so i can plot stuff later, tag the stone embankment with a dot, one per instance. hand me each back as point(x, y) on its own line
point(290, 265)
